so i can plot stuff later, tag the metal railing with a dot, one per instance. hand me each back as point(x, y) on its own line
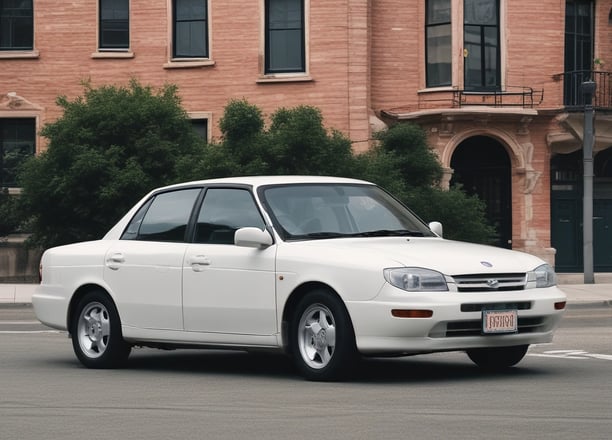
point(511, 96)
point(573, 98)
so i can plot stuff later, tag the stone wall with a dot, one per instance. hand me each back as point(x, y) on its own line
point(18, 263)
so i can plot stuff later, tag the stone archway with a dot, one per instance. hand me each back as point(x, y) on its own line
point(482, 166)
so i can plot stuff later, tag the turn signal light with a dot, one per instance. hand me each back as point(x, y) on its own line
point(400, 313)
point(560, 305)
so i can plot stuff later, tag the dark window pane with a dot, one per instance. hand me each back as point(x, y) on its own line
point(481, 12)
point(190, 29)
point(439, 67)
point(438, 11)
point(16, 25)
point(168, 215)
point(114, 24)
point(201, 127)
point(285, 36)
point(190, 10)
point(17, 143)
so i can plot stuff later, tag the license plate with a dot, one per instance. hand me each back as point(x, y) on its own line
point(499, 321)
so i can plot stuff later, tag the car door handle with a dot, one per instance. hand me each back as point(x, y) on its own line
point(115, 261)
point(198, 262)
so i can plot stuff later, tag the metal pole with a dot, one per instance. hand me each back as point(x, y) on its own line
point(588, 89)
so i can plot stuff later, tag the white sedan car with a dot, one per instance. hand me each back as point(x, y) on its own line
point(326, 269)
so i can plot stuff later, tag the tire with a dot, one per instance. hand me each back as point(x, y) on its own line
point(498, 358)
point(322, 337)
point(96, 332)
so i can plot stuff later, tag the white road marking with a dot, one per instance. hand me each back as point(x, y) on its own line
point(21, 332)
point(572, 354)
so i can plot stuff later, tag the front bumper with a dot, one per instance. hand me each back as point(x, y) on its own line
point(456, 321)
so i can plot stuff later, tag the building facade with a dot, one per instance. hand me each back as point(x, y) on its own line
point(496, 84)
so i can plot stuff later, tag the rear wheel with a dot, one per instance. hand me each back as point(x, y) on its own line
point(96, 332)
point(323, 342)
point(497, 358)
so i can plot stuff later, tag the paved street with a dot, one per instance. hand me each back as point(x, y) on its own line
point(560, 391)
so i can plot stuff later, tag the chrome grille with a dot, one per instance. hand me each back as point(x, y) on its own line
point(490, 282)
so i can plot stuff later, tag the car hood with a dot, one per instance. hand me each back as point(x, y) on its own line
point(446, 256)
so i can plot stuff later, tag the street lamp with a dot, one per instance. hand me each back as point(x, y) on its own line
point(588, 89)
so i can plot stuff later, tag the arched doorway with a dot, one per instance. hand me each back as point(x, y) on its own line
point(482, 166)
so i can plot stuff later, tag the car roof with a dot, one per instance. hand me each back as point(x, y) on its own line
point(256, 181)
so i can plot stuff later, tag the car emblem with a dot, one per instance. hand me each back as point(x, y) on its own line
point(486, 264)
point(493, 283)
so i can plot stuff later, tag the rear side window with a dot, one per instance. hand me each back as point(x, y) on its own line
point(164, 218)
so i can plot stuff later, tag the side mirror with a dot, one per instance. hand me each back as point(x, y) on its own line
point(436, 228)
point(252, 237)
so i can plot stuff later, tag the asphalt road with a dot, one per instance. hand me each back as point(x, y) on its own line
point(561, 390)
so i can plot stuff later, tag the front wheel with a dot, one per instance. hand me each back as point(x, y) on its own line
point(323, 342)
point(497, 358)
point(96, 333)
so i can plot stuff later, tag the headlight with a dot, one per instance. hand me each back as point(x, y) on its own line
point(415, 279)
point(543, 276)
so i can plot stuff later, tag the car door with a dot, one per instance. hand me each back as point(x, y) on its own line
point(227, 288)
point(144, 268)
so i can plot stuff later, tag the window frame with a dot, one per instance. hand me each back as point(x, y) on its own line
point(34, 121)
point(428, 27)
point(207, 116)
point(268, 71)
point(173, 32)
point(483, 87)
point(101, 21)
point(10, 48)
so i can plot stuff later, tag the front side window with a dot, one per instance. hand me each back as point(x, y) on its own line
point(16, 25)
point(190, 29)
point(285, 38)
point(438, 43)
point(481, 44)
point(224, 211)
point(17, 143)
point(114, 24)
point(165, 218)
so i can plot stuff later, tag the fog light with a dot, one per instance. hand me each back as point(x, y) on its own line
point(400, 313)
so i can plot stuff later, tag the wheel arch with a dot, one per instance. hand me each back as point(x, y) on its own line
point(80, 293)
point(290, 306)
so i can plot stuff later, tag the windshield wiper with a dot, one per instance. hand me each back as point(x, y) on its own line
point(389, 233)
point(378, 233)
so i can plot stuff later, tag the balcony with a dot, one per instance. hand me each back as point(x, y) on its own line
point(573, 99)
point(511, 96)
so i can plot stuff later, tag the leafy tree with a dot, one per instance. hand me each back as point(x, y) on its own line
point(110, 147)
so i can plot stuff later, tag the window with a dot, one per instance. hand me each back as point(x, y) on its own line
point(201, 127)
point(481, 44)
point(164, 218)
point(190, 29)
point(114, 24)
point(16, 25)
point(438, 43)
point(17, 143)
point(285, 39)
point(223, 212)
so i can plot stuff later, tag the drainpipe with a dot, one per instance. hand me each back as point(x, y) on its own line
point(588, 89)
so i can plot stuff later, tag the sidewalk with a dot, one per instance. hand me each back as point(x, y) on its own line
point(578, 295)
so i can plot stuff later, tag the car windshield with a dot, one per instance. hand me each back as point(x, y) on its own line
point(316, 211)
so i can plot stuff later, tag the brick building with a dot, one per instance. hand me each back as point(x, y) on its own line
point(495, 83)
